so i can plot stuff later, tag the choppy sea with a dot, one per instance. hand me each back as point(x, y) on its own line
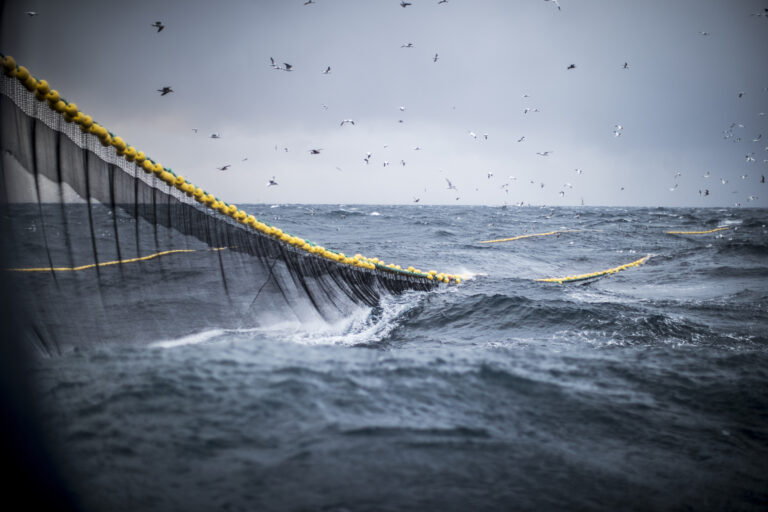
point(646, 389)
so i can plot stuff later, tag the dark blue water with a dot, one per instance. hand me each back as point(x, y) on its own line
point(645, 389)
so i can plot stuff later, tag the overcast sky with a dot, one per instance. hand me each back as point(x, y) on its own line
point(687, 63)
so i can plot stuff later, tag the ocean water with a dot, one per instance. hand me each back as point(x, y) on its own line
point(645, 389)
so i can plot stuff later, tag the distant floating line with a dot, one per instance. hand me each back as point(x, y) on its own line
point(696, 232)
point(583, 277)
point(548, 233)
point(107, 263)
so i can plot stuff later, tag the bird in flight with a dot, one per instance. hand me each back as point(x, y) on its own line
point(165, 90)
point(572, 66)
point(272, 182)
point(442, 2)
point(309, 2)
point(287, 67)
point(327, 71)
point(521, 139)
point(626, 65)
point(158, 25)
point(555, 2)
point(194, 130)
point(315, 151)
point(350, 121)
point(451, 186)
point(579, 171)
point(31, 13)
point(404, 4)
point(215, 135)
point(272, 63)
point(224, 167)
point(544, 153)
point(416, 199)
point(407, 45)
point(435, 58)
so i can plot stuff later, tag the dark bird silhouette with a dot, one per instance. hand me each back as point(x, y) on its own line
point(572, 66)
point(327, 70)
point(315, 151)
point(435, 58)
point(272, 182)
point(158, 25)
point(165, 90)
point(287, 67)
point(626, 65)
point(404, 4)
point(224, 167)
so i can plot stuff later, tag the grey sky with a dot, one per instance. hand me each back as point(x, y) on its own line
point(675, 101)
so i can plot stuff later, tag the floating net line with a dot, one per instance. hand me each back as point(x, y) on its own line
point(593, 275)
point(103, 243)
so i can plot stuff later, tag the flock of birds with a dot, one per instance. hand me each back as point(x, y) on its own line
point(732, 133)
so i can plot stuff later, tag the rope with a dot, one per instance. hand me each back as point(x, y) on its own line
point(106, 263)
point(548, 233)
point(696, 232)
point(582, 277)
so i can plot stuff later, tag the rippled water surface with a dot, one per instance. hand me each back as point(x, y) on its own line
point(644, 389)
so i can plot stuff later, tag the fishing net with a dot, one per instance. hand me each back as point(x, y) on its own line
point(98, 249)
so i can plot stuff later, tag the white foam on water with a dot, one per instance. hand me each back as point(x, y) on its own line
point(191, 339)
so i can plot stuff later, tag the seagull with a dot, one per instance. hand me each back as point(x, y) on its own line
point(741, 93)
point(762, 178)
point(579, 171)
point(350, 121)
point(757, 139)
point(521, 139)
point(244, 159)
point(215, 136)
point(287, 67)
point(158, 25)
point(272, 182)
point(407, 45)
point(555, 2)
point(417, 148)
point(327, 71)
point(402, 162)
point(706, 192)
point(750, 157)
point(490, 175)
point(404, 4)
point(315, 151)
point(473, 135)
point(485, 136)
point(442, 2)
point(703, 33)
point(706, 174)
point(723, 181)
point(530, 110)
point(194, 130)
point(416, 199)
point(34, 13)
point(572, 66)
point(451, 186)
point(385, 163)
point(545, 153)
point(272, 63)
point(402, 108)
point(224, 167)
point(626, 65)
point(309, 2)
point(751, 198)
point(165, 90)
point(744, 176)
point(562, 194)
point(435, 58)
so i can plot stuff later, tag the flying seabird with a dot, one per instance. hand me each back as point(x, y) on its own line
point(215, 136)
point(490, 175)
point(579, 171)
point(555, 2)
point(287, 67)
point(435, 58)
point(451, 186)
point(327, 71)
point(272, 182)
point(165, 90)
point(385, 163)
point(626, 65)
point(404, 4)
point(350, 121)
point(315, 151)
point(571, 66)
point(741, 93)
point(34, 13)
point(224, 167)
point(402, 162)
point(442, 2)
point(194, 130)
point(545, 153)
point(416, 199)
point(309, 2)
point(521, 139)
point(158, 25)
point(407, 45)
point(473, 135)
point(272, 63)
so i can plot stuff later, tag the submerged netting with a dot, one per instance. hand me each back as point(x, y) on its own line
point(103, 244)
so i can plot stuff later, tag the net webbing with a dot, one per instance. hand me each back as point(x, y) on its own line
point(104, 251)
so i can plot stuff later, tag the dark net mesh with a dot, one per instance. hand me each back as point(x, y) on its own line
point(96, 250)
